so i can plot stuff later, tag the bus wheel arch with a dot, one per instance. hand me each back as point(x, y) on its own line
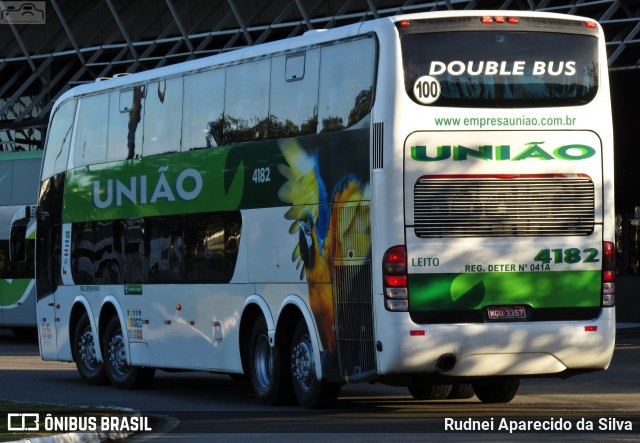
point(85, 346)
point(296, 332)
point(120, 373)
point(311, 391)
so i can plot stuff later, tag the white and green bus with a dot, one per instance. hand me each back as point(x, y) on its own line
point(421, 200)
point(19, 182)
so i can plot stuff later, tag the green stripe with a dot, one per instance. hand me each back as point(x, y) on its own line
point(13, 290)
point(473, 291)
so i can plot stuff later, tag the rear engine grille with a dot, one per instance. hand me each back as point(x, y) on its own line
point(489, 206)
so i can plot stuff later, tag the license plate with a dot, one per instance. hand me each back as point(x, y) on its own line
point(506, 313)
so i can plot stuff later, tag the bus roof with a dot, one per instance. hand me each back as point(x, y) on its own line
point(308, 39)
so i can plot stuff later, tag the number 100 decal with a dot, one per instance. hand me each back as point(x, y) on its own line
point(426, 90)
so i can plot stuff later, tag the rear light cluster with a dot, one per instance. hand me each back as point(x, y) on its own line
point(499, 19)
point(394, 275)
point(488, 19)
point(608, 274)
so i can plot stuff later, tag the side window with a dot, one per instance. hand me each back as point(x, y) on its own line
point(246, 101)
point(135, 255)
point(162, 117)
point(345, 88)
point(211, 247)
point(294, 94)
point(203, 110)
point(108, 252)
point(6, 172)
point(90, 141)
point(24, 189)
point(82, 247)
point(125, 129)
point(59, 140)
point(166, 249)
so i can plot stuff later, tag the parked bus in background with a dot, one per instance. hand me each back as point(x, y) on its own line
point(421, 200)
point(19, 182)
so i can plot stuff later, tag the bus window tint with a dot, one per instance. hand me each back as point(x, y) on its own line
point(90, 141)
point(59, 140)
point(294, 94)
point(6, 172)
point(498, 69)
point(125, 128)
point(107, 252)
point(11, 269)
point(166, 249)
point(345, 88)
point(82, 247)
point(24, 191)
point(247, 101)
point(211, 247)
point(203, 110)
point(162, 117)
point(135, 261)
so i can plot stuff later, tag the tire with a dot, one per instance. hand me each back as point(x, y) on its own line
point(310, 392)
point(268, 368)
point(429, 391)
point(462, 391)
point(120, 374)
point(497, 392)
point(84, 353)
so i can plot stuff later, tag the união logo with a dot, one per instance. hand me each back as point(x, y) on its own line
point(143, 189)
point(531, 151)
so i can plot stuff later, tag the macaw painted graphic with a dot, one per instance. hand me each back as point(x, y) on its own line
point(321, 231)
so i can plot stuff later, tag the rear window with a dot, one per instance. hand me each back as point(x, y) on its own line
point(500, 68)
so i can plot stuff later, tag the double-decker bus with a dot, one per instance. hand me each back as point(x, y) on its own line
point(422, 200)
point(19, 182)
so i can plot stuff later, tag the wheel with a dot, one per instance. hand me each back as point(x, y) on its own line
point(462, 391)
point(310, 392)
point(429, 391)
point(119, 372)
point(84, 353)
point(497, 392)
point(268, 371)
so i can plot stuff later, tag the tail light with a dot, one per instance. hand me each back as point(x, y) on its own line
point(487, 19)
point(394, 275)
point(608, 274)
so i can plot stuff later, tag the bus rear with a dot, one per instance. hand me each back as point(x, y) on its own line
point(502, 139)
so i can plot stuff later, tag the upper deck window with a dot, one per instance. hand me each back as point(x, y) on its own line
point(500, 68)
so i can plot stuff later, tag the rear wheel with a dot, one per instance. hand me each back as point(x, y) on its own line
point(84, 353)
point(462, 391)
point(429, 391)
point(497, 392)
point(268, 372)
point(310, 392)
point(118, 370)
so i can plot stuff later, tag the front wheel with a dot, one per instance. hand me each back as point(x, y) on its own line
point(118, 370)
point(84, 353)
point(497, 392)
point(310, 392)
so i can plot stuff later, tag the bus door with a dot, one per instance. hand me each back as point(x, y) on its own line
point(52, 246)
